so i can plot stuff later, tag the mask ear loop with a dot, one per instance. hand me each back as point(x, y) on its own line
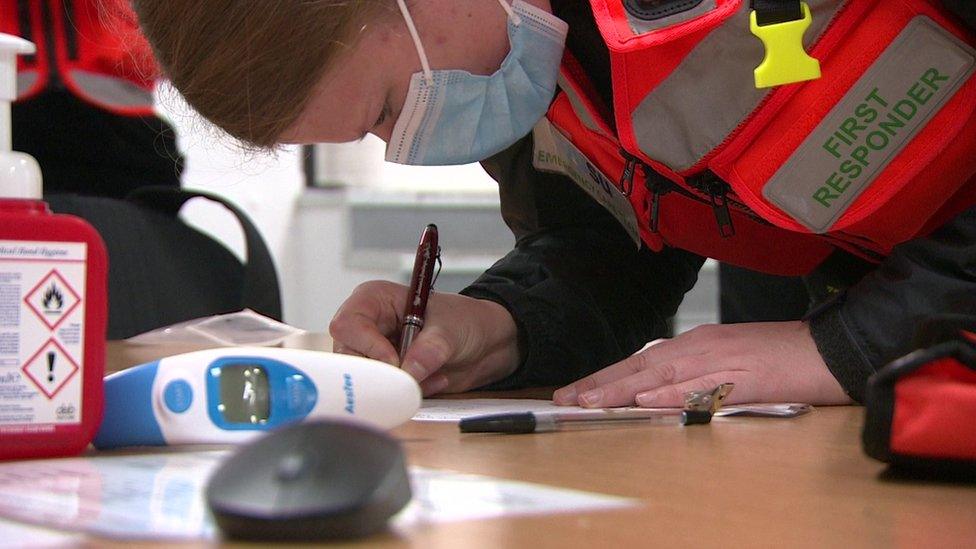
point(516, 18)
point(428, 75)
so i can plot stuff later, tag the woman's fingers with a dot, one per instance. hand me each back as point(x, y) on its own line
point(659, 360)
point(355, 333)
point(431, 349)
point(366, 319)
point(343, 350)
point(673, 396)
point(767, 362)
point(621, 392)
point(434, 384)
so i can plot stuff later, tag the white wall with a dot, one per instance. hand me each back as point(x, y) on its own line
point(265, 186)
point(361, 164)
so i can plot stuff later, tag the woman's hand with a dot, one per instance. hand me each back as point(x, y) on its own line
point(767, 361)
point(465, 342)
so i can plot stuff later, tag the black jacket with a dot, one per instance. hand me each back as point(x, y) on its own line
point(583, 297)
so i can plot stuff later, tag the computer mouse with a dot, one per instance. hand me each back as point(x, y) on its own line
point(315, 480)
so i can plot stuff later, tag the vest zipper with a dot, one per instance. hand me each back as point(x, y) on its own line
point(658, 186)
point(717, 192)
point(626, 182)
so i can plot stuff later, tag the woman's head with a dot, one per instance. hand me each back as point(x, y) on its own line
point(249, 67)
point(303, 71)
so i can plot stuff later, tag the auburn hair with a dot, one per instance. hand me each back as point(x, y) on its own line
point(249, 66)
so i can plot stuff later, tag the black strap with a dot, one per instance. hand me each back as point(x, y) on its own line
point(260, 291)
point(771, 12)
point(26, 31)
point(70, 29)
point(651, 10)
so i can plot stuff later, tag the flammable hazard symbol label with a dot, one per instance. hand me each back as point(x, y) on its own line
point(52, 299)
point(50, 368)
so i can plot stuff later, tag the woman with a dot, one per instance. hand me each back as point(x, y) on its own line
point(657, 136)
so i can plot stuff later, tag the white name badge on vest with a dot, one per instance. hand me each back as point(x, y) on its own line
point(555, 154)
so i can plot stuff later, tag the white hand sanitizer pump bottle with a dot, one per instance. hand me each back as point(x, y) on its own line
point(53, 304)
point(20, 176)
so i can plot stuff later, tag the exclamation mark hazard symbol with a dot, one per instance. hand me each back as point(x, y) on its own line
point(49, 369)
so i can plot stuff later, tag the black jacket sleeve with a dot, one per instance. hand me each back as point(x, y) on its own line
point(582, 294)
point(874, 321)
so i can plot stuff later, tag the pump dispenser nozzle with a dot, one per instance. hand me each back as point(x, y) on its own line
point(20, 176)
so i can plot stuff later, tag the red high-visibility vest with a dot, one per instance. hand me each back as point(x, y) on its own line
point(91, 47)
point(879, 150)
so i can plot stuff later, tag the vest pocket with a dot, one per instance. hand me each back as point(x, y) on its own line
point(872, 150)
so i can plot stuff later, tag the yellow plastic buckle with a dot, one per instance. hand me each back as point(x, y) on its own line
point(786, 61)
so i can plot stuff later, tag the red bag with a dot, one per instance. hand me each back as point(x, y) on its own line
point(921, 408)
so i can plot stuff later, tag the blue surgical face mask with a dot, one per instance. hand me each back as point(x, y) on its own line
point(455, 117)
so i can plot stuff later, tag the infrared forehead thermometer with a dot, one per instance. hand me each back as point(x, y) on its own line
point(230, 395)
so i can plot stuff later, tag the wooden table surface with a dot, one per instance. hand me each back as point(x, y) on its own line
point(740, 482)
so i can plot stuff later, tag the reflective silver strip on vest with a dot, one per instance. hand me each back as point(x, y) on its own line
point(26, 81)
point(640, 26)
point(711, 92)
point(898, 95)
point(110, 91)
point(579, 108)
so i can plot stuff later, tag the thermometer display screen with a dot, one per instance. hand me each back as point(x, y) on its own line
point(244, 394)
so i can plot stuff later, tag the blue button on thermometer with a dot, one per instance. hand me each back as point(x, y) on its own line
point(229, 395)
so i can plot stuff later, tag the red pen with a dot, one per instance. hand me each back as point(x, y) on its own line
point(428, 252)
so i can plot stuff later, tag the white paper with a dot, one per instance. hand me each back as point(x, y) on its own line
point(160, 496)
point(22, 536)
point(454, 410)
point(447, 496)
point(157, 496)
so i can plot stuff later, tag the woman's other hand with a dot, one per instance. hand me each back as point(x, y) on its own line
point(465, 342)
point(767, 362)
